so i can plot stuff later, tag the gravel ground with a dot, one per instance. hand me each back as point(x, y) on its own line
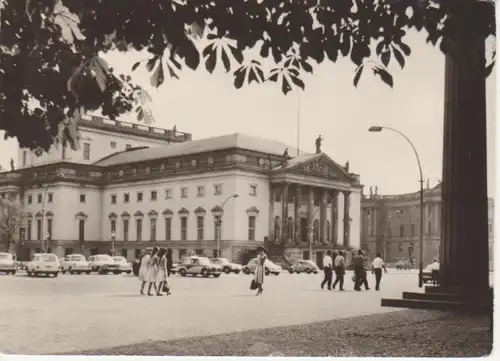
point(408, 333)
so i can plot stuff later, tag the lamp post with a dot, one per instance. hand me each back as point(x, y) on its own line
point(218, 223)
point(113, 238)
point(59, 174)
point(421, 240)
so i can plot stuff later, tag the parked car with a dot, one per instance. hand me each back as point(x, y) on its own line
point(403, 264)
point(270, 267)
point(74, 263)
point(195, 265)
point(43, 263)
point(102, 264)
point(175, 268)
point(124, 266)
point(304, 266)
point(427, 272)
point(227, 267)
point(8, 263)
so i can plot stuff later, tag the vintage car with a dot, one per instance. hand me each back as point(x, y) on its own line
point(102, 264)
point(124, 266)
point(43, 263)
point(74, 263)
point(270, 267)
point(195, 265)
point(8, 263)
point(304, 266)
point(227, 267)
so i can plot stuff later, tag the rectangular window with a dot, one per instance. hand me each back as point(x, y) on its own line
point(199, 252)
point(183, 228)
point(253, 190)
point(112, 145)
point(30, 199)
point(127, 146)
point(412, 230)
point(139, 196)
point(200, 225)
point(168, 194)
point(217, 222)
point(126, 198)
point(168, 229)
point(113, 226)
point(182, 254)
point(154, 195)
point(25, 158)
point(49, 227)
point(50, 197)
point(214, 253)
point(83, 198)
point(39, 229)
point(125, 229)
point(113, 199)
point(184, 192)
point(138, 224)
point(429, 227)
point(28, 231)
point(81, 230)
point(86, 151)
point(251, 228)
point(200, 191)
point(217, 189)
point(39, 198)
point(153, 229)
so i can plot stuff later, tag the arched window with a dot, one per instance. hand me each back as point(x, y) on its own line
point(316, 230)
point(328, 229)
point(290, 228)
point(277, 227)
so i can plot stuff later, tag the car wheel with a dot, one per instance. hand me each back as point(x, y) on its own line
point(227, 270)
point(237, 272)
point(63, 272)
point(182, 272)
point(204, 273)
point(216, 275)
point(87, 272)
point(315, 272)
point(246, 271)
point(116, 272)
point(78, 272)
point(129, 272)
point(308, 271)
point(290, 270)
point(71, 272)
point(267, 272)
point(55, 274)
point(14, 272)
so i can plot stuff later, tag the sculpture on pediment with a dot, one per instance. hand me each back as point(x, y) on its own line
point(318, 144)
point(371, 190)
point(376, 190)
point(347, 166)
point(12, 168)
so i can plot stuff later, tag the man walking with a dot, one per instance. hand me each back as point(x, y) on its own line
point(377, 266)
point(359, 271)
point(339, 271)
point(327, 268)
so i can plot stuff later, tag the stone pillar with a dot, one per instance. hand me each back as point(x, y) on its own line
point(464, 245)
point(347, 223)
point(298, 194)
point(335, 217)
point(271, 213)
point(284, 213)
point(322, 216)
point(310, 214)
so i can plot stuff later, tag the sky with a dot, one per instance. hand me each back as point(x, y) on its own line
point(208, 105)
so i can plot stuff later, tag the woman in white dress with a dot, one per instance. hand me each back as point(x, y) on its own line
point(161, 279)
point(153, 270)
point(260, 270)
point(144, 271)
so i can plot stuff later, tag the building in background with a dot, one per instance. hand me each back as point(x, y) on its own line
point(391, 225)
point(131, 186)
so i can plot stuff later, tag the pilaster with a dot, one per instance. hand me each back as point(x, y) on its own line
point(322, 216)
point(284, 213)
point(298, 194)
point(347, 222)
point(334, 210)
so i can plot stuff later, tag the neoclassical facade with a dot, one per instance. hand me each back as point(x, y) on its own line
point(229, 194)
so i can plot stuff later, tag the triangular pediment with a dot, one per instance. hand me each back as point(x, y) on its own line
point(318, 165)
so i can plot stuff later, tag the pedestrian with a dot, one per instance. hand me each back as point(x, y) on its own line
point(153, 270)
point(339, 270)
point(170, 261)
point(434, 266)
point(359, 270)
point(377, 266)
point(260, 270)
point(144, 271)
point(161, 278)
point(327, 268)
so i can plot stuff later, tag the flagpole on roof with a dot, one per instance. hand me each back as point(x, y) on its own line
point(298, 124)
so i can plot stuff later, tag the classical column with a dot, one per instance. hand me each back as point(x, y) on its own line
point(322, 216)
point(334, 223)
point(347, 222)
point(284, 213)
point(298, 194)
point(310, 214)
point(272, 198)
point(464, 245)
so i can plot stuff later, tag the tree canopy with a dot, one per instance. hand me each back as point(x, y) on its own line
point(52, 70)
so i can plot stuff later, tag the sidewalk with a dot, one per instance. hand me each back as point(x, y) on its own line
point(407, 333)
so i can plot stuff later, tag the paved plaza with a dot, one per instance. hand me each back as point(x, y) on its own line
point(74, 313)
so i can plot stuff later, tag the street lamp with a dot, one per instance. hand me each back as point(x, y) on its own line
point(376, 128)
point(113, 238)
point(218, 223)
